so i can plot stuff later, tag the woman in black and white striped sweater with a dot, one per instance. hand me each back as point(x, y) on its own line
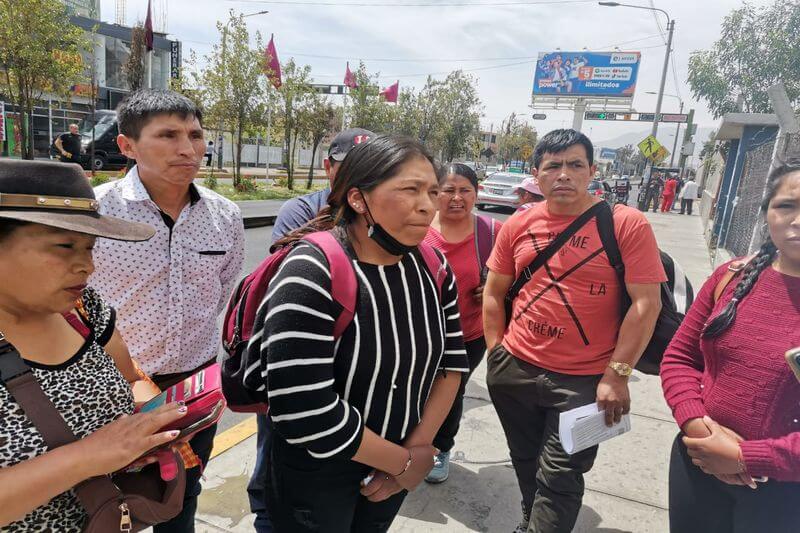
point(368, 404)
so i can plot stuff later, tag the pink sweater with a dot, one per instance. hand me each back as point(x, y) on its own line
point(740, 378)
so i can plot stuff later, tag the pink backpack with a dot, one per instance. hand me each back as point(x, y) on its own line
point(240, 314)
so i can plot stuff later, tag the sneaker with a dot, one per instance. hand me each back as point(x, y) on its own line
point(441, 468)
point(522, 527)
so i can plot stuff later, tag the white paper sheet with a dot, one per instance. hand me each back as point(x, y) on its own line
point(585, 426)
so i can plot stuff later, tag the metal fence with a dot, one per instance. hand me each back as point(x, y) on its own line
point(746, 229)
point(748, 199)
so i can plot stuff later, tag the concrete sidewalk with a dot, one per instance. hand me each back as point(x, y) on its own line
point(625, 492)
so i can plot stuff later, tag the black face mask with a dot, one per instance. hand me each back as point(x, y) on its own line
point(382, 237)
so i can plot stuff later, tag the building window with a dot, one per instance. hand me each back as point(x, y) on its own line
point(117, 53)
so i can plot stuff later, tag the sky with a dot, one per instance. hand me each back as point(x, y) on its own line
point(500, 41)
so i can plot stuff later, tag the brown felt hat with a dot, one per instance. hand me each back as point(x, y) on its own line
point(59, 195)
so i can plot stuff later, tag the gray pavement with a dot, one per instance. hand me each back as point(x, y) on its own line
point(625, 492)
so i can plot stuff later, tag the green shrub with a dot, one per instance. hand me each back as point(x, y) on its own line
point(210, 181)
point(99, 179)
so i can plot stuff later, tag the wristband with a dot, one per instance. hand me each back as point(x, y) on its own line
point(405, 468)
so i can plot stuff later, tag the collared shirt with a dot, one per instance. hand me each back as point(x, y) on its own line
point(170, 290)
point(298, 211)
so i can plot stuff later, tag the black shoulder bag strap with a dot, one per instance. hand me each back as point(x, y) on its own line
point(549, 251)
point(605, 228)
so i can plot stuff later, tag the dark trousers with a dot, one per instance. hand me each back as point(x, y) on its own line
point(528, 400)
point(305, 494)
point(202, 444)
point(446, 437)
point(257, 488)
point(651, 197)
point(700, 503)
point(686, 205)
point(208, 159)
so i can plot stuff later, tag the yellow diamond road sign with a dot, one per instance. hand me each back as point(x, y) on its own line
point(660, 155)
point(649, 146)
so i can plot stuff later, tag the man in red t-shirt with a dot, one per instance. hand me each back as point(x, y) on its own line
point(566, 344)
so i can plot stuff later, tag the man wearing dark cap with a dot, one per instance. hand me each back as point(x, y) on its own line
point(293, 214)
point(297, 211)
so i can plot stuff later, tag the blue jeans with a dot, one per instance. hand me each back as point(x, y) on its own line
point(257, 488)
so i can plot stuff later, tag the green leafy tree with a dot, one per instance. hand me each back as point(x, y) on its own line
point(460, 110)
point(757, 48)
point(134, 67)
point(40, 52)
point(232, 87)
point(365, 108)
point(294, 92)
point(317, 120)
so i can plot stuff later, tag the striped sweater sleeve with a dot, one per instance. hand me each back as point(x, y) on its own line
point(455, 356)
point(297, 355)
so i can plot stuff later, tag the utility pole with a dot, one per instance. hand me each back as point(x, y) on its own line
point(654, 130)
point(675, 144)
point(687, 136)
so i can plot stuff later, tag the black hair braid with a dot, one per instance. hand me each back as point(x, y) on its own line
point(764, 258)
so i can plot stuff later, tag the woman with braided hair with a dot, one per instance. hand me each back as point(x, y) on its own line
point(736, 465)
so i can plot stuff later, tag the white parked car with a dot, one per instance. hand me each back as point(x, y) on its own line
point(499, 190)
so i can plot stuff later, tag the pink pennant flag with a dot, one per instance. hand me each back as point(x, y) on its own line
point(349, 78)
point(390, 93)
point(272, 63)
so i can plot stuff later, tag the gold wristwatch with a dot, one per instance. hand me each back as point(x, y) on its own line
point(622, 369)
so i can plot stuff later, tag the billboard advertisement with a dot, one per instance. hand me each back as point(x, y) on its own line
point(601, 74)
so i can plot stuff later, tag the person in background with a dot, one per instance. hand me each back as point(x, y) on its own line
point(730, 390)
point(292, 215)
point(653, 191)
point(209, 153)
point(688, 195)
point(298, 211)
point(528, 194)
point(455, 232)
point(170, 290)
point(46, 261)
point(353, 419)
point(670, 188)
point(566, 343)
point(69, 145)
point(678, 191)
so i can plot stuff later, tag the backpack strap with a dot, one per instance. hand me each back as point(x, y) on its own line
point(484, 238)
point(551, 249)
point(605, 229)
point(344, 286)
point(734, 268)
point(434, 264)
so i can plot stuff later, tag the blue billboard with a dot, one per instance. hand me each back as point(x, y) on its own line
point(604, 74)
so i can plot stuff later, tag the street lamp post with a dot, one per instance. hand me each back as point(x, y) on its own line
point(654, 129)
point(677, 130)
point(222, 67)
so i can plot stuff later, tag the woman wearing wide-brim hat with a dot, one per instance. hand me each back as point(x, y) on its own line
point(48, 225)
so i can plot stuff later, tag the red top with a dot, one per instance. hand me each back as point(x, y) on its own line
point(741, 378)
point(669, 187)
point(463, 259)
point(567, 317)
